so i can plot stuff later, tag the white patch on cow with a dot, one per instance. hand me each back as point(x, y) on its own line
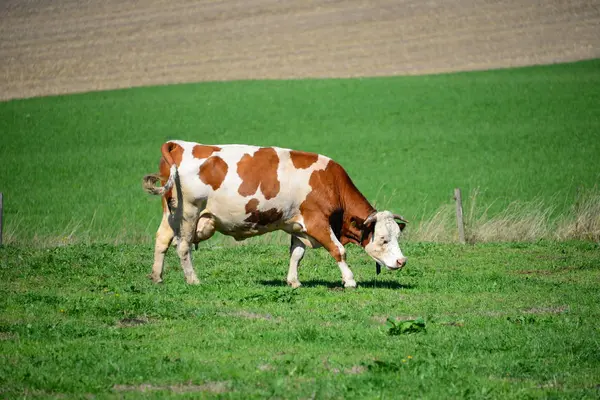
point(384, 247)
point(193, 189)
point(294, 184)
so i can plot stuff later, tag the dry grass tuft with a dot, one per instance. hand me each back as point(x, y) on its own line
point(439, 228)
point(519, 222)
point(583, 222)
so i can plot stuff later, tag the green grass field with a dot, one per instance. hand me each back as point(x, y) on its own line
point(503, 321)
point(80, 319)
point(71, 166)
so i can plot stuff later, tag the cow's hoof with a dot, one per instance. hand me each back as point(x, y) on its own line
point(350, 284)
point(294, 284)
point(192, 281)
point(155, 279)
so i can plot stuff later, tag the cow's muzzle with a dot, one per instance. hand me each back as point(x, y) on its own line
point(400, 263)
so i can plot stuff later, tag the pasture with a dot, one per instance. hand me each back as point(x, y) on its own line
point(79, 318)
point(71, 166)
point(500, 321)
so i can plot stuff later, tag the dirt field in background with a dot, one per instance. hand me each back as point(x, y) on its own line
point(63, 46)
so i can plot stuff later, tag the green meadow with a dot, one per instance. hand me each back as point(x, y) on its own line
point(511, 315)
point(499, 321)
point(71, 166)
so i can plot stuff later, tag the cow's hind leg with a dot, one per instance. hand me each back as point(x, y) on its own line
point(164, 237)
point(188, 227)
point(297, 249)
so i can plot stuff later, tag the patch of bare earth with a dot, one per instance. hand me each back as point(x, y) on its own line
point(65, 46)
point(545, 271)
point(547, 310)
point(383, 319)
point(131, 322)
point(265, 367)
point(250, 315)
point(353, 370)
point(208, 387)
point(8, 336)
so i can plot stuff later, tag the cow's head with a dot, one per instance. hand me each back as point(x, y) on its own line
point(383, 229)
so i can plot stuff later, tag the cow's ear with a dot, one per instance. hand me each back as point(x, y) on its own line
point(401, 221)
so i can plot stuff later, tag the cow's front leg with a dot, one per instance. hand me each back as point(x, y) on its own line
point(188, 226)
point(297, 249)
point(164, 237)
point(347, 275)
point(323, 233)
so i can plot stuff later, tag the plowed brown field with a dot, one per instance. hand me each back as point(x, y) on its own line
point(63, 46)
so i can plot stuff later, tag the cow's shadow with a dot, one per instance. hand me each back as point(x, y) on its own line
point(374, 284)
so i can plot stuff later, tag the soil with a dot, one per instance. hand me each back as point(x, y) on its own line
point(66, 46)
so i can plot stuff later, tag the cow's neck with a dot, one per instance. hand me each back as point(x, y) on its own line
point(356, 209)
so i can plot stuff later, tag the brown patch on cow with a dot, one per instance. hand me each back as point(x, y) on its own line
point(335, 199)
point(213, 172)
point(303, 160)
point(267, 217)
point(324, 197)
point(259, 170)
point(252, 206)
point(172, 153)
point(204, 151)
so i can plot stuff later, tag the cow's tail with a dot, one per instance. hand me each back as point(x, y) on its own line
point(149, 181)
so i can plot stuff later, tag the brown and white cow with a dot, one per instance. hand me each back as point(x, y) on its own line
point(244, 191)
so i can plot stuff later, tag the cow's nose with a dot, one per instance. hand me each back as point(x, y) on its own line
point(401, 262)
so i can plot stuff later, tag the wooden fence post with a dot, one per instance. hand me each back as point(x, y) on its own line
point(459, 216)
point(1, 211)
